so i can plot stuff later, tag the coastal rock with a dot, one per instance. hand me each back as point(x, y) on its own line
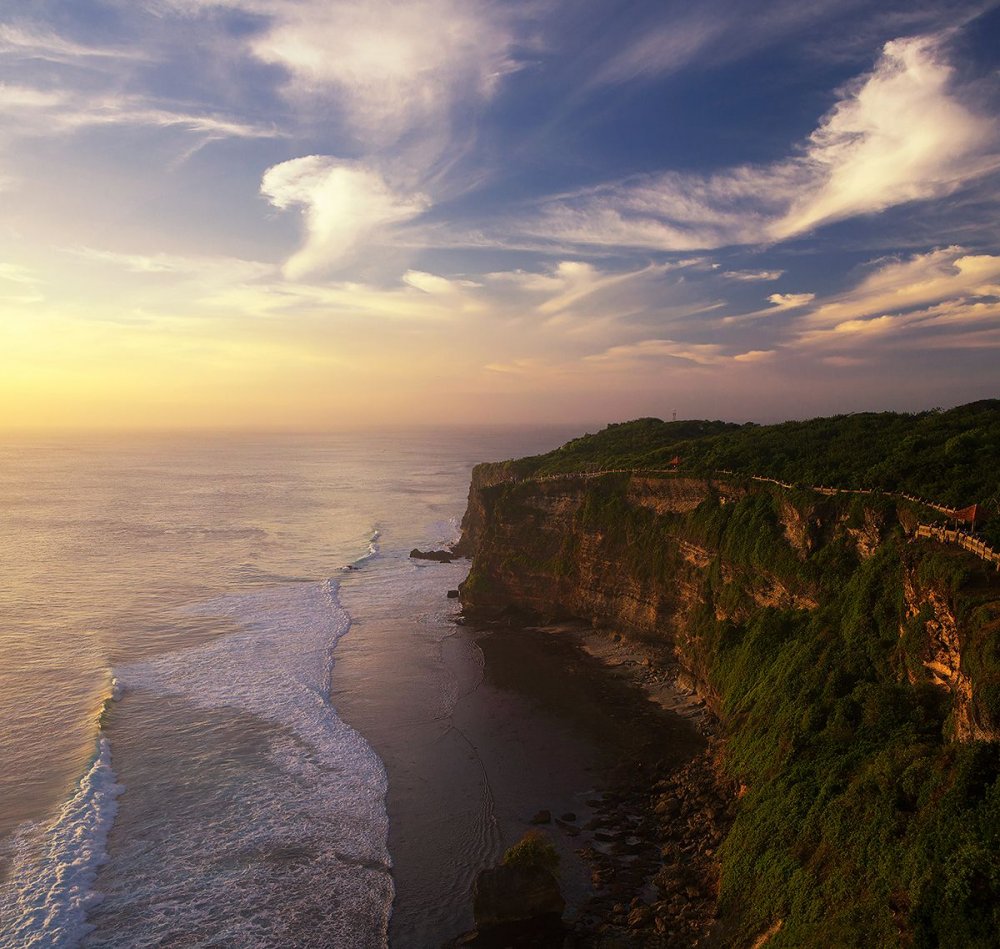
point(453, 594)
point(441, 556)
point(542, 817)
point(512, 894)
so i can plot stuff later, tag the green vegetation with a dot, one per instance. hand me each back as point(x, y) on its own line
point(534, 849)
point(863, 824)
point(951, 457)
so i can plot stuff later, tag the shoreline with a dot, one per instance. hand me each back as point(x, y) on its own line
point(582, 723)
point(659, 809)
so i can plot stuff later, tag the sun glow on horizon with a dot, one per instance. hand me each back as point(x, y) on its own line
point(374, 224)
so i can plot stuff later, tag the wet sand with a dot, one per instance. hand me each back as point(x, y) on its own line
point(482, 728)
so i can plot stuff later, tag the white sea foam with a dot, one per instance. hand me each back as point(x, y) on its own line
point(295, 842)
point(373, 552)
point(443, 533)
point(45, 901)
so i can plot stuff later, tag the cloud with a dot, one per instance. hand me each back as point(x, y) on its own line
point(640, 356)
point(663, 49)
point(345, 205)
point(943, 299)
point(25, 281)
point(748, 276)
point(29, 42)
point(575, 281)
point(696, 354)
point(577, 304)
point(717, 32)
point(437, 285)
point(896, 286)
point(755, 355)
point(213, 269)
point(519, 367)
point(644, 358)
point(18, 273)
point(391, 67)
point(955, 324)
point(791, 301)
point(897, 134)
point(668, 212)
point(43, 112)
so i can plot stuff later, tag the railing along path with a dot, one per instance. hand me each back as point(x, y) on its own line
point(963, 539)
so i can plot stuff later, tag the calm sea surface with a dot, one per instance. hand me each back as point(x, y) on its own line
point(174, 770)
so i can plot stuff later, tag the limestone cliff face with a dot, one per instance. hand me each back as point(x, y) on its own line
point(541, 561)
point(538, 549)
point(940, 641)
point(639, 555)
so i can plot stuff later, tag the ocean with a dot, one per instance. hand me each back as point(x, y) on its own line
point(183, 622)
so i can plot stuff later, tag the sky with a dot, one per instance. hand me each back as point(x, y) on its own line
point(330, 214)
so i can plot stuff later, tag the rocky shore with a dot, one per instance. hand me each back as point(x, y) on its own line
point(655, 871)
point(651, 836)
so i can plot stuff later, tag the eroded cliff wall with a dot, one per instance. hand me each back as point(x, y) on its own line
point(844, 658)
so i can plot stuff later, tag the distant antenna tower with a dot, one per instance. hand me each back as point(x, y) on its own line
point(675, 415)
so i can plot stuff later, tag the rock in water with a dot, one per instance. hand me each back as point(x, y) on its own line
point(441, 556)
point(511, 894)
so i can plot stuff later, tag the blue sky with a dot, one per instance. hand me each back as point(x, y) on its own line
point(312, 214)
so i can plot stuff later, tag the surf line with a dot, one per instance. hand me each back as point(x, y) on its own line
point(49, 889)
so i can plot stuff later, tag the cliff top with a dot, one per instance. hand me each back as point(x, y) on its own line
point(951, 457)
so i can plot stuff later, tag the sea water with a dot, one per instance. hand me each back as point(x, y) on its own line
point(174, 769)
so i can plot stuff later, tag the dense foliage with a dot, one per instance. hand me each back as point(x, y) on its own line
point(951, 457)
point(863, 823)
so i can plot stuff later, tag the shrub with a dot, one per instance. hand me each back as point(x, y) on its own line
point(534, 849)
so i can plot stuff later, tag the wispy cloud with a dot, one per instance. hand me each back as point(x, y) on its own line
point(750, 276)
point(898, 134)
point(943, 298)
point(437, 285)
point(29, 42)
point(215, 269)
point(710, 33)
point(666, 48)
point(644, 357)
point(19, 285)
point(896, 286)
point(36, 112)
point(659, 350)
point(791, 301)
point(18, 273)
point(391, 68)
point(954, 324)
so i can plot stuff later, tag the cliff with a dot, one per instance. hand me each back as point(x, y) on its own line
point(855, 670)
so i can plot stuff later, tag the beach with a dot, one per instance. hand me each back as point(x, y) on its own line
point(557, 728)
